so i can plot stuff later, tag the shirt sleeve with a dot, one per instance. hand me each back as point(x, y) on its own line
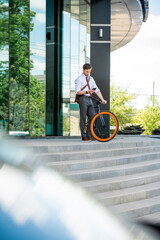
point(95, 86)
point(77, 85)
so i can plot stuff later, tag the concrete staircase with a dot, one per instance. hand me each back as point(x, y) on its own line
point(124, 173)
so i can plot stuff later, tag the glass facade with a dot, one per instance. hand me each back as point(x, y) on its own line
point(75, 52)
point(37, 67)
point(43, 46)
point(23, 64)
point(4, 64)
point(19, 67)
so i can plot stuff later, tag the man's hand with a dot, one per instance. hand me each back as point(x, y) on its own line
point(104, 101)
point(99, 94)
point(91, 91)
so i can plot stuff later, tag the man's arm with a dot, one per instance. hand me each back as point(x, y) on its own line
point(97, 91)
point(78, 89)
point(77, 86)
point(85, 92)
point(99, 94)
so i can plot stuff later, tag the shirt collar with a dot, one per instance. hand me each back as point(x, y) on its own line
point(85, 75)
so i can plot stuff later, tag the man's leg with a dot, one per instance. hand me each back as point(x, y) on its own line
point(83, 105)
point(90, 114)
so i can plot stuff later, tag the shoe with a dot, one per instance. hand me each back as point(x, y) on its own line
point(92, 139)
point(85, 139)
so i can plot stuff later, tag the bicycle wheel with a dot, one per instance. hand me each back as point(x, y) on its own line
point(104, 126)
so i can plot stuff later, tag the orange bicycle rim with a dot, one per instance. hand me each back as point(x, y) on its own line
point(105, 139)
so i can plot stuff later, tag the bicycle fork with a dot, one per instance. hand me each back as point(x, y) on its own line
point(101, 117)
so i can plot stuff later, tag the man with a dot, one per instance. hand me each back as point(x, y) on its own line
point(85, 101)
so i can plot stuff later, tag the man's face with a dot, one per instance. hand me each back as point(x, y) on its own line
point(87, 71)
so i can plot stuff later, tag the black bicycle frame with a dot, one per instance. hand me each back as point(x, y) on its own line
point(101, 116)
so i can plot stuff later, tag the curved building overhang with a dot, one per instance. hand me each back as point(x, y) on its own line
point(127, 17)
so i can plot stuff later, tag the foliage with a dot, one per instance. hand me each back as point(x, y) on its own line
point(18, 106)
point(132, 129)
point(66, 124)
point(149, 118)
point(37, 107)
point(20, 97)
point(4, 63)
point(121, 105)
point(3, 25)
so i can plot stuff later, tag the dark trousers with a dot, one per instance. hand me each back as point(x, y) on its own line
point(86, 110)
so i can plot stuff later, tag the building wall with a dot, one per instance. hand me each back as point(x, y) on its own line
point(30, 103)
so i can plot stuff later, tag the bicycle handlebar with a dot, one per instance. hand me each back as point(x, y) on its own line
point(97, 100)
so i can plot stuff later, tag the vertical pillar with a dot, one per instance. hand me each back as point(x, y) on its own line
point(100, 46)
point(53, 67)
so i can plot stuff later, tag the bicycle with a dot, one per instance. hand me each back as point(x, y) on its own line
point(104, 125)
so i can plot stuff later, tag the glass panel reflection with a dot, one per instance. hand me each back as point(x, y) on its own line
point(75, 62)
point(83, 35)
point(37, 67)
point(66, 119)
point(66, 71)
point(19, 67)
point(76, 52)
point(88, 35)
point(4, 64)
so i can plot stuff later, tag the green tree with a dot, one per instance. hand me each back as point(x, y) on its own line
point(19, 64)
point(25, 93)
point(37, 107)
point(149, 118)
point(4, 65)
point(121, 104)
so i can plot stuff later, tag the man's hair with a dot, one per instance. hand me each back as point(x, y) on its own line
point(87, 66)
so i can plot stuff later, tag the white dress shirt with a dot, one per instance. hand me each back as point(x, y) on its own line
point(80, 82)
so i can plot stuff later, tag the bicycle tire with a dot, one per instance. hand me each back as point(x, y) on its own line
point(93, 126)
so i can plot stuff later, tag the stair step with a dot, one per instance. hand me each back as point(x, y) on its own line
point(125, 170)
point(52, 147)
point(138, 208)
point(153, 218)
point(116, 183)
point(130, 194)
point(78, 155)
point(120, 170)
point(102, 162)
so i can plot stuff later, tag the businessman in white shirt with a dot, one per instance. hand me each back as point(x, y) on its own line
point(85, 101)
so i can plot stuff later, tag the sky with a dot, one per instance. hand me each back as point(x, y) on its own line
point(37, 37)
point(137, 65)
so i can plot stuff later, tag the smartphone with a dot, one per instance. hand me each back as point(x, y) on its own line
point(93, 88)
